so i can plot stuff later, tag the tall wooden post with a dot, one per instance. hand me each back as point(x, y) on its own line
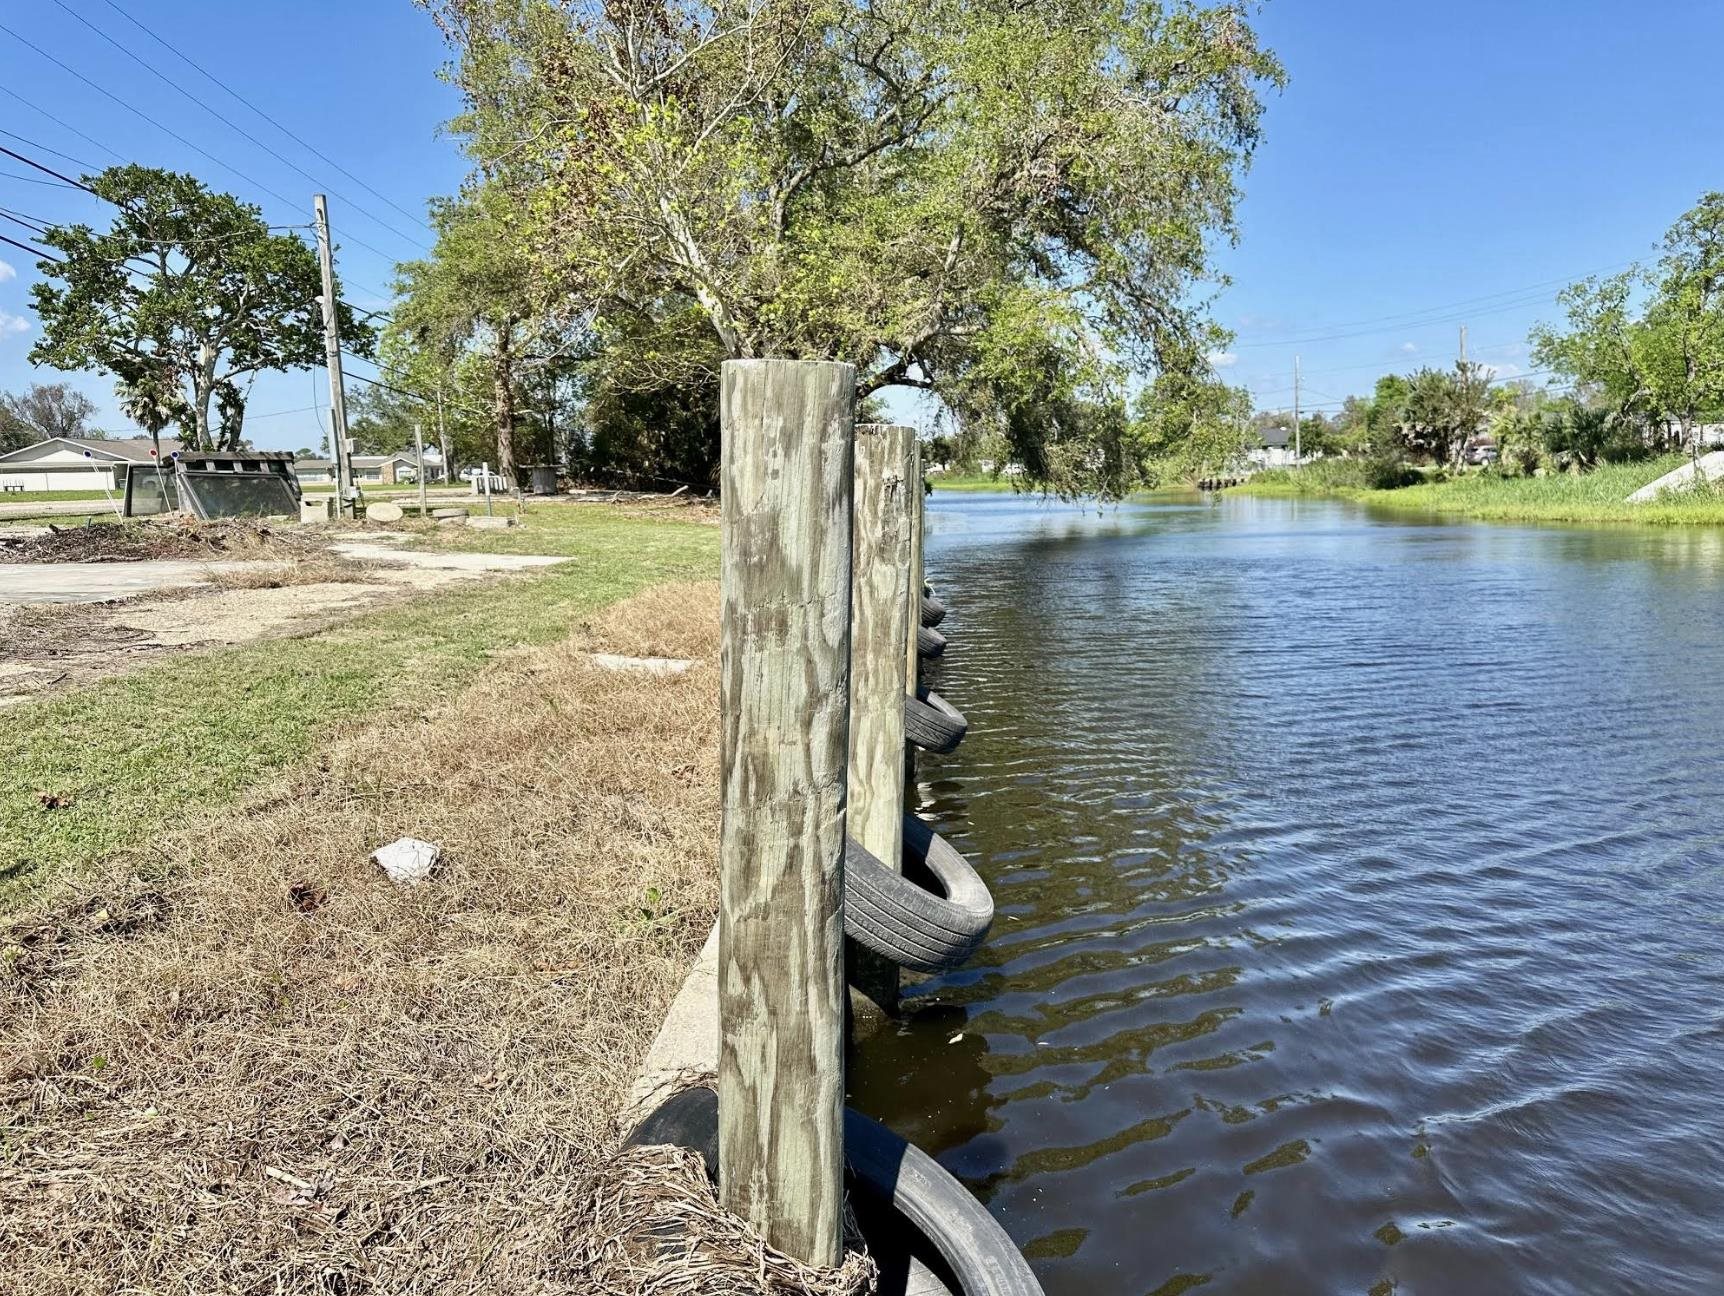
point(879, 620)
point(785, 666)
point(914, 500)
point(341, 450)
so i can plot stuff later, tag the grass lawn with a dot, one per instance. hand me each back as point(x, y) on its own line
point(130, 753)
point(51, 497)
point(970, 482)
point(1596, 497)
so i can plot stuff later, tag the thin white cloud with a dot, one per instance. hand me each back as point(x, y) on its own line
point(1223, 359)
point(1498, 372)
point(7, 272)
point(1409, 347)
point(11, 325)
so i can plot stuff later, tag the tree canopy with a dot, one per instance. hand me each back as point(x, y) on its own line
point(44, 410)
point(1647, 346)
point(184, 299)
point(1010, 205)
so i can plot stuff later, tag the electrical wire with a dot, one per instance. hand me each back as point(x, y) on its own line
point(25, 247)
point(168, 130)
point(187, 94)
point(63, 125)
point(234, 94)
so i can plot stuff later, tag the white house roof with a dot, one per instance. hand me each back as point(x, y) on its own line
point(131, 450)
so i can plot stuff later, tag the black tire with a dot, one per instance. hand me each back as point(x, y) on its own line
point(883, 1168)
point(929, 642)
point(896, 916)
point(932, 723)
point(933, 611)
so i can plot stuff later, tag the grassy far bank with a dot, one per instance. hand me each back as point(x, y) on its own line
point(1597, 497)
point(971, 482)
point(128, 756)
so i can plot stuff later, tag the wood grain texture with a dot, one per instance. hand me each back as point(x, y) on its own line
point(879, 612)
point(913, 599)
point(785, 663)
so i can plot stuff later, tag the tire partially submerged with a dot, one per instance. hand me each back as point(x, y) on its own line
point(933, 611)
point(932, 723)
point(922, 1200)
point(929, 642)
point(899, 916)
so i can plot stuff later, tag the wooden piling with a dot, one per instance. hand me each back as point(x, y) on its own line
point(879, 621)
point(914, 501)
point(785, 663)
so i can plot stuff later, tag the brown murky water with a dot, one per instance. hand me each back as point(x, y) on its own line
point(1361, 901)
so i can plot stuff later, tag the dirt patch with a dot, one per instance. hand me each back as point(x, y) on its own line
point(52, 645)
point(277, 1072)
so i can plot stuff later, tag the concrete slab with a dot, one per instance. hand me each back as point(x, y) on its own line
point(101, 581)
point(1709, 468)
point(55, 508)
point(644, 665)
point(686, 1045)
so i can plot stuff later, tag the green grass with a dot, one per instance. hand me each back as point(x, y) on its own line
point(971, 482)
point(135, 752)
point(1595, 498)
point(50, 497)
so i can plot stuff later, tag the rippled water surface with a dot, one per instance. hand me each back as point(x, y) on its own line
point(1360, 889)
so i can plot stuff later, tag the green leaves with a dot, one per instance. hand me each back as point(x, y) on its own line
point(1011, 205)
point(183, 299)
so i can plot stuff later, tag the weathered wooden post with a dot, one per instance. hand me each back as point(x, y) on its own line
point(912, 662)
point(879, 620)
point(788, 427)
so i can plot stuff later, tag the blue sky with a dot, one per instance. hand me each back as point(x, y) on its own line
point(1428, 165)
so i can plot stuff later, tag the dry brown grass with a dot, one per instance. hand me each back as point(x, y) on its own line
point(314, 569)
point(652, 1223)
point(244, 1061)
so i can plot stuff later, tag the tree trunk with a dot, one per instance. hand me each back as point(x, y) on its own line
point(203, 388)
point(502, 374)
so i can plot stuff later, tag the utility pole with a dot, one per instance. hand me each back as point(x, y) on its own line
point(344, 491)
point(443, 440)
point(1297, 444)
point(419, 444)
point(1463, 344)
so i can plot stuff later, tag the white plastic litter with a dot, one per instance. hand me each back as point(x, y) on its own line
point(407, 860)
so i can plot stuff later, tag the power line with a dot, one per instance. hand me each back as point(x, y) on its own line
point(43, 148)
point(25, 247)
point(1445, 313)
point(24, 179)
point(187, 94)
point(232, 93)
point(168, 130)
point(48, 170)
point(64, 125)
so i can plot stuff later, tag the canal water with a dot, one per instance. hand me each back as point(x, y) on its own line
point(1360, 890)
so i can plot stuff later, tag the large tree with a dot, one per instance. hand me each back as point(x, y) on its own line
point(1647, 347)
point(1009, 204)
point(1440, 409)
point(184, 299)
point(44, 410)
point(474, 299)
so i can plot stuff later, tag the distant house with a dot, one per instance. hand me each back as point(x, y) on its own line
point(76, 463)
point(370, 470)
point(1276, 450)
